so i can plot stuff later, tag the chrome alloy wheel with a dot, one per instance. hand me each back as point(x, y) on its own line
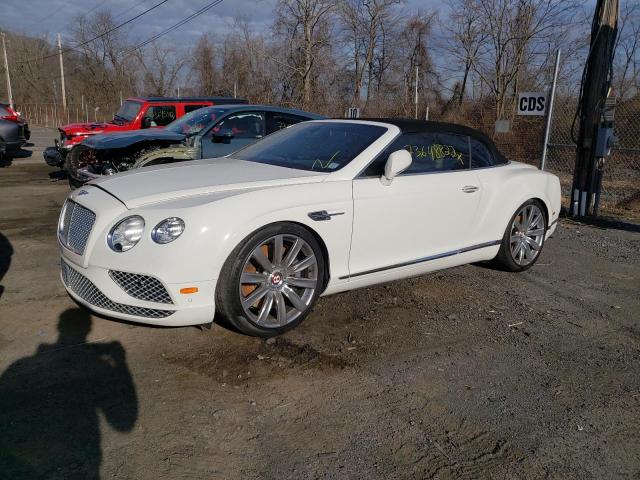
point(278, 281)
point(527, 234)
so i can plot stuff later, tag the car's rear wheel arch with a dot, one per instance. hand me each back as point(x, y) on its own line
point(545, 208)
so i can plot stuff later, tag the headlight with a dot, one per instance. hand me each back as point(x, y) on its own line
point(126, 234)
point(168, 230)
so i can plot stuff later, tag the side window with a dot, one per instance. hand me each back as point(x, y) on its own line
point(191, 108)
point(431, 152)
point(480, 155)
point(277, 121)
point(242, 125)
point(161, 115)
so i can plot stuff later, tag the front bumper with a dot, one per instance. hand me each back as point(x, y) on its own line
point(54, 156)
point(95, 288)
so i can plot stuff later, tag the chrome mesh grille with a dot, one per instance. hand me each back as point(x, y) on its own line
point(85, 289)
point(142, 287)
point(77, 222)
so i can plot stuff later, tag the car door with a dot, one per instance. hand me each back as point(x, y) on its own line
point(427, 211)
point(246, 127)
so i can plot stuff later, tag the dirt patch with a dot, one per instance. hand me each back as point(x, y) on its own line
point(257, 361)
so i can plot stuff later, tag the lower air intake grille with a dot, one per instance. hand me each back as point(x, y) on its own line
point(82, 286)
point(142, 287)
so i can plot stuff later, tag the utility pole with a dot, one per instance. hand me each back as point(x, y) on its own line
point(64, 92)
point(547, 123)
point(6, 70)
point(416, 96)
point(595, 90)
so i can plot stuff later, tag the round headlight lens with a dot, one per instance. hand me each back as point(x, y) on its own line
point(126, 234)
point(168, 230)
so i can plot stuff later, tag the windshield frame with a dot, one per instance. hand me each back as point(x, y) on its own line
point(382, 131)
point(118, 114)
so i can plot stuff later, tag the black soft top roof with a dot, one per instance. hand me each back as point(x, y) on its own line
point(407, 125)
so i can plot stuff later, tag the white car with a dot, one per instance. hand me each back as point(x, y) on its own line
point(318, 208)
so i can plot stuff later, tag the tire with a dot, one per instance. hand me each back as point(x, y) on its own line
point(261, 268)
point(522, 244)
point(70, 165)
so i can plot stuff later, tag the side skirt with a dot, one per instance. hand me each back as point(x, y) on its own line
point(425, 259)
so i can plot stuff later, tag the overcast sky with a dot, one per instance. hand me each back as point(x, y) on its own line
point(36, 17)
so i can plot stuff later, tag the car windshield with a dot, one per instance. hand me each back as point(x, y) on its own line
point(127, 112)
point(322, 146)
point(193, 122)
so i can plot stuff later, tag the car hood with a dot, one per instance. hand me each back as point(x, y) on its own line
point(89, 128)
point(163, 183)
point(125, 139)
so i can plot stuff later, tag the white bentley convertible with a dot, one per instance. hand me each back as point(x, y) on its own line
point(318, 208)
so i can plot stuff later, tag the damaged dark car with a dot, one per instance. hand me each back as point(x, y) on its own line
point(204, 133)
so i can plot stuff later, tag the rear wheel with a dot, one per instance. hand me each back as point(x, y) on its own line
point(524, 238)
point(271, 281)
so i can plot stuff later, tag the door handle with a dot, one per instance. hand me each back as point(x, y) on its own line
point(470, 189)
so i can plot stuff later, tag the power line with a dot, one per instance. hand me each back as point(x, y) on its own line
point(185, 20)
point(177, 25)
point(75, 47)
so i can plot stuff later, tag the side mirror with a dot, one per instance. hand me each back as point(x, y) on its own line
point(224, 135)
point(397, 163)
point(145, 122)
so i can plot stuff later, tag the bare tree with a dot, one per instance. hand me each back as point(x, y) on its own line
point(161, 67)
point(202, 66)
point(305, 24)
point(627, 59)
point(106, 61)
point(413, 53)
point(512, 29)
point(466, 37)
point(365, 23)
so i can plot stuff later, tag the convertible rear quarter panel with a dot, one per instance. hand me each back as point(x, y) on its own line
point(505, 188)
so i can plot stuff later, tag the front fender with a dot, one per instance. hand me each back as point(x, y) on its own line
point(334, 197)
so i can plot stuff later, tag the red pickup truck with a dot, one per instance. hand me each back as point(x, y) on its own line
point(134, 114)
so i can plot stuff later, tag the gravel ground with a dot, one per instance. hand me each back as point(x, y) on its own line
point(465, 373)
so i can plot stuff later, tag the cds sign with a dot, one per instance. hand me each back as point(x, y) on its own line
point(532, 103)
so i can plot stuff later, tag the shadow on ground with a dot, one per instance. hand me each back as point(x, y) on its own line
point(50, 403)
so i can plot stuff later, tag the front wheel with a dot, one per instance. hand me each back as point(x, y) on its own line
point(272, 280)
point(523, 239)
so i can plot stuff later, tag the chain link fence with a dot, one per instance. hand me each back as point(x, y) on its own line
point(621, 181)
point(54, 115)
